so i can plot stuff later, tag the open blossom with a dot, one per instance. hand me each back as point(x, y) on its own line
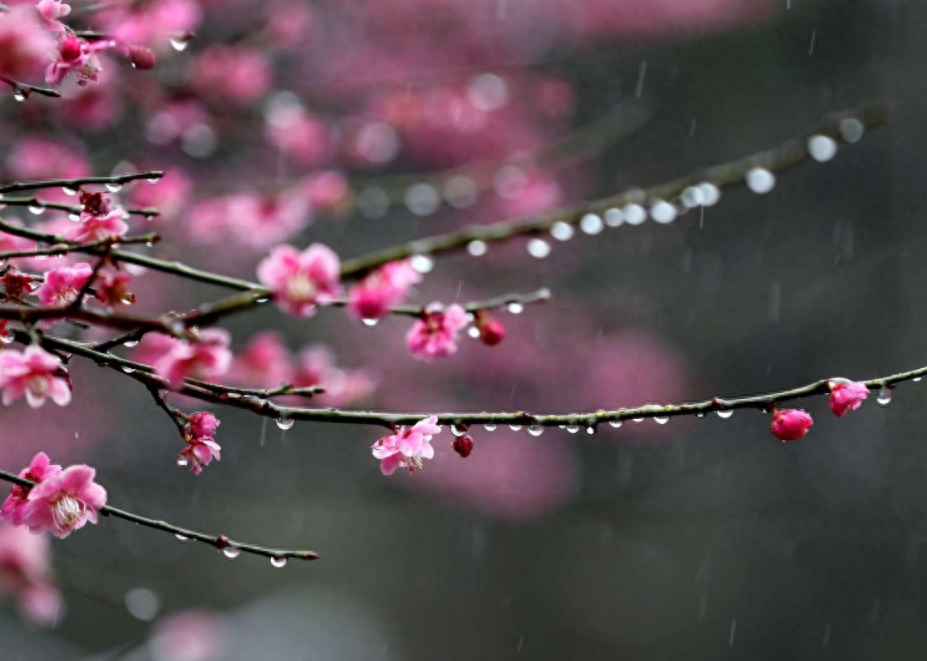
point(207, 358)
point(50, 11)
point(64, 502)
point(24, 44)
point(63, 284)
point(408, 447)
point(301, 280)
point(372, 297)
point(38, 469)
point(316, 366)
point(25, 573)
point(846, 396)
point(112, 287)
point(34, 373)
point(790, 424)
point(435, 336)
point(16, 284)
point(201, 446)
point(91, 227)
point(77, 56)
point(263, 363)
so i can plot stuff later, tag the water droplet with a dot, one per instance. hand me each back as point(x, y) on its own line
point(538, 248)
point(711, 194)
point(182, 538)
point(130, 343)
point(634, 214)
point(6, 338)
point(231, 552)
point(614, 217)
point(18, 95)
point(278, 561)
point(822, 148)
point(489, 426)
point(700, 414)
point(422, 263)
point(182, 462)
point(638, 420)
point(590, 429)
point(561, 231)
point(179, 43)
point(153, 180)
point(724, 415)
point(515, 427)
point(885, 396)
point(572, 428)
point(692, 197)
point(460, 192)
point(917, 379)
point(663, 212)
point(370, 323)
point(615, 423)
point(661, 419)
point(852, 129)
point(74, 217)
point(535, 430)
point(477, 248)
point(515, 308)
point(760, 180)
point(128, 370)
point(474, 332)
point(113, 187)
point(37, 209)
point(284, 423)
point(67, 190)
point(591, 224)
point(458, 430)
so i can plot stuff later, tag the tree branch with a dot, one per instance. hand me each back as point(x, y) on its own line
point(79, 247)
point(147, 212)
point(118, 179)
point(24, 90)
point(220, 542)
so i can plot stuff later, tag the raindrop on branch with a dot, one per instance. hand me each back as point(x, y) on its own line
point(231, 552)
point(760, 180)
point(182, 538)
point(113, 187)
point(663, 212)
point(179, 43)
point(284, 423)
point(278, 561)
point(538, 248)
point(661, 419)
point(634, 214)
point(822, 148)
point(884, 397)
point(515, 427)
point(489, 426)
point(724, 415)
point(591, 224)
point(69, 191)
point(477, 248)
point(515, 308)
point(370, 323)
point(561, 231)
point(615, 423)
point(535, 430)
point(614, 217)
point(572, 428)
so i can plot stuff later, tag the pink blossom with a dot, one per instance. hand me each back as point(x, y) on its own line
point(169, 194)
point(207, 358)
point(42, 158)
point(846, 396)
point(24, 44)
point(304, 138)
point(199, 452)
point(315, 366)
point(190, 636)
point(203, 423)
point(264, 362)
point(38, 469)
point(112, 287)
point(77, 56)
point(64, 502)
point(263, 221)
point(34, 373)
point(790, 424)
point(63, 284)
point(435, 336)
point(301, 280)
point(50, 11)
point(233, 73)
point(408, 447)
point(91, 227)
point(25, 572)
point(151, 23)
point(372, 297)
point(328, 191)
point(16, 285)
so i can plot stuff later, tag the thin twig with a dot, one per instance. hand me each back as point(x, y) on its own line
point(118, 179)
point(220, 542)
point(64, 249)
point(25, 90)
point(38, 203)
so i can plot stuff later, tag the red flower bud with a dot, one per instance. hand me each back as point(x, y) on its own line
point(70, 48)
point(463, 445)
point(492, 332)
point(142, 57)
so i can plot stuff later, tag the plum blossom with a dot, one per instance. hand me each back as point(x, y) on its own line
point(16, 284)
point(315, 366)
point(25, 573)
point(201, 446)
point(372, 297)
point(790, 424)
point(232, 73)
point(302, 137)
point(435, 335)
point(38, 469)
point(64, 502)
point(63, 284)
point(112, 287)
point(24, 44)
point(50, 11)
point(111, 223)
point(77, 56)
point(34, 373)
point(408, 447)
point(263, 363)
point(846, 396)
point(206, 358)
point(190, 636)
point(328, 191)
point(301, 280)
point(168, 194)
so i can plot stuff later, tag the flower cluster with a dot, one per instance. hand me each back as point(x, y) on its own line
point(793, 424)
point(60, 502)
point(201, 446)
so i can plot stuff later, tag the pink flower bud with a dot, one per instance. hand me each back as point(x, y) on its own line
point(70, 48)
point(463, 445)
point(846, 396)
point(790, 424)
point(142, 57)
point(203, 423)
point(492, 332)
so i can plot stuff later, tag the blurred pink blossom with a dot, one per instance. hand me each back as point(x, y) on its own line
point(50, 11)
point(190, 636)
point(25, 572)
point(207, 358)
point(233, 74)
point(34, 373)
point(24, 44)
